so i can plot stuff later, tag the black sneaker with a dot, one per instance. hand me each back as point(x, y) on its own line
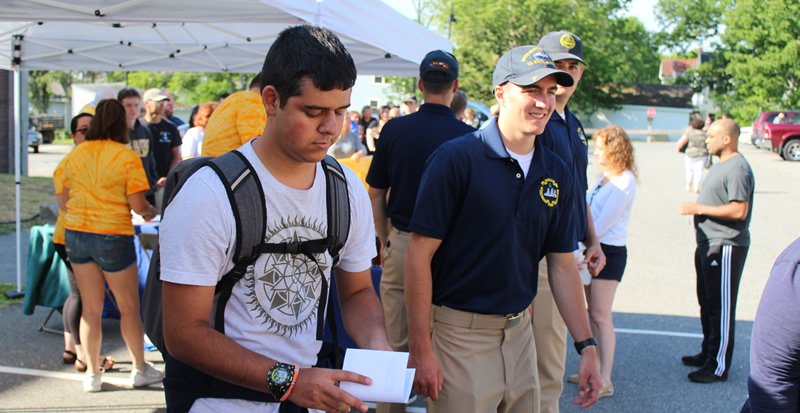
point(706, 375)
point(696, 360)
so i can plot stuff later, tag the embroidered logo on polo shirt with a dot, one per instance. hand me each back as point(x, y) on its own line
point(548, 191)
point(582, 136)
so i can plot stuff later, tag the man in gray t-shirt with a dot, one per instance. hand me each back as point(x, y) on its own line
point(721, 219)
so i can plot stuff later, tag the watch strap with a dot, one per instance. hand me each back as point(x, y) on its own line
point(580, 345)
point(281, 378)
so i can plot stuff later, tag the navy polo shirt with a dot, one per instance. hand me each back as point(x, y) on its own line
point(401, 152)
point(567, 139)
point(495, 225)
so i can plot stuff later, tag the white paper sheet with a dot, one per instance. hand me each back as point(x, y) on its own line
point(391, 379)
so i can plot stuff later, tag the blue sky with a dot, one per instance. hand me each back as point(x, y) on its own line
point(643, 9)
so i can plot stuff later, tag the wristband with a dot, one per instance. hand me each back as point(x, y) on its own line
point(280, 380)
point(579, 346)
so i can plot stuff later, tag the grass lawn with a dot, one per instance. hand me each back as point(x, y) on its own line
point(34, 191)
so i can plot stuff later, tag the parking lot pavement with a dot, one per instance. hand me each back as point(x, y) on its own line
point(655, 308)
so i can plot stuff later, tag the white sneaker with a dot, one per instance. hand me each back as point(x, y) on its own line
point(93, 383)
point(150, 375)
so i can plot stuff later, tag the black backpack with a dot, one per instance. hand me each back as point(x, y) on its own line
point(246, 197)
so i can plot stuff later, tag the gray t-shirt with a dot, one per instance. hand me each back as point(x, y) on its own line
point(727, 181)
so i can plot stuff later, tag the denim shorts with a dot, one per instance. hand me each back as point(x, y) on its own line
point(112, 253)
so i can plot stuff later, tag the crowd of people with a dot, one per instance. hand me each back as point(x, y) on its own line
point(483, 234)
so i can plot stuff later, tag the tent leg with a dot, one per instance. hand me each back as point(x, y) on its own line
point(45, 328)
point(18, 293)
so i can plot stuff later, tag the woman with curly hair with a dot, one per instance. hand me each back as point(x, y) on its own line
point(610, 201)
point(103, 180)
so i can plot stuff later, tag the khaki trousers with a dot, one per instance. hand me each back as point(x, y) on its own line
point(393, 300)
point(551, 343)
point(488, 363)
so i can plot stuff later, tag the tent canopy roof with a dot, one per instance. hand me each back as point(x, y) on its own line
point(201, 35)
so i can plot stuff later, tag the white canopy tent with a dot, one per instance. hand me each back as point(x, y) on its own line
point(201, 35)
point(193, 36)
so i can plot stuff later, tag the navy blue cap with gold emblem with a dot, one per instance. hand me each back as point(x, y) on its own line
point(562, 45)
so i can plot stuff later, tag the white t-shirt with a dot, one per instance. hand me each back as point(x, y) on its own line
point(523, 160)
point(192, 144)
point(273, 309)
point(611, 207)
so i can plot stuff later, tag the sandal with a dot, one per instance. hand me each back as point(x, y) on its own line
point(69, 357)
point(105, 365)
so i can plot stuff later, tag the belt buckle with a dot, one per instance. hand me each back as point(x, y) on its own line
point(513, 320)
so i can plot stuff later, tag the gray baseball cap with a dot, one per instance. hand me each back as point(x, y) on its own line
point(526, 65)
point(562, 45)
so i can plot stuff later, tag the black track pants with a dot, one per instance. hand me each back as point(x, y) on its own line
point(719, 269)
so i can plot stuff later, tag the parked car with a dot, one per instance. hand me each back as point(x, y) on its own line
point(757, 137)
point(481, 111)
point(47, 124)
point(34, 140)
point(784, 138)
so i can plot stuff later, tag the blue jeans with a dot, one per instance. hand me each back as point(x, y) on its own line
point(113, 253)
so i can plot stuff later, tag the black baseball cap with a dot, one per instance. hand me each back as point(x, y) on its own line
point(526, 65)
point(439, 61)
point(562, 45)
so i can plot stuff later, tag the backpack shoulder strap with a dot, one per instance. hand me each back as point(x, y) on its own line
point(246, 196)
point(338, 206)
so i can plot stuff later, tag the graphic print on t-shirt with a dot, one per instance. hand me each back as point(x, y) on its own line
point(284, 290)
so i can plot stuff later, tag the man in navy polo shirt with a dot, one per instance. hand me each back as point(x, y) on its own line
point(491, 204)
point(564, 136)
point(406, 143)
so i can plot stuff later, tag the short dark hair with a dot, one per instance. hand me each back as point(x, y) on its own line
point(255, 81)
point(697, 123)
point(73, 125)
point(430, 85)
point(459, 103)
point(128, 92)
point(109, 122)
point(307, 51)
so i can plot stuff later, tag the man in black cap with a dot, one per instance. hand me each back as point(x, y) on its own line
point(563, 135)
point(406, 143)
point(491, 204)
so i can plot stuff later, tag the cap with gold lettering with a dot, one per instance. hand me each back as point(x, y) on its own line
point(526, 65)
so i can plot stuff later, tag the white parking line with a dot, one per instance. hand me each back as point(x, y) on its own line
point(658, 333)
point(116, 381)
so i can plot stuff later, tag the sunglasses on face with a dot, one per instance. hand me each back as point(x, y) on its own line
point(82, 131)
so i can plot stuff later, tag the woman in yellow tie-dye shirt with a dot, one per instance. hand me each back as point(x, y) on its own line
point(103, 180)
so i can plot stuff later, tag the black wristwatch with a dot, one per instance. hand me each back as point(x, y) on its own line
point(280, 380)
point(580, 345)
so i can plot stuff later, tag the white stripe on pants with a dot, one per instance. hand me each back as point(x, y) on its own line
point(725, 309)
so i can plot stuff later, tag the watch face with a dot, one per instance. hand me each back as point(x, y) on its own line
point(279, 376)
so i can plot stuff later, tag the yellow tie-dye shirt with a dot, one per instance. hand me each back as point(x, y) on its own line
point(58, 182)
point(100, 175)
point(239, 118)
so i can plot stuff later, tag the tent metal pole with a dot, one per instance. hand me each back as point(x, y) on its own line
point(17, 178)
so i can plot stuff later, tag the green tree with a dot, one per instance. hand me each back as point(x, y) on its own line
point(40, 84)
point(618, 50)
point(689, 23)
point(761, 50)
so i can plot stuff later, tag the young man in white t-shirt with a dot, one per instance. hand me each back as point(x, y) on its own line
point(272, 316)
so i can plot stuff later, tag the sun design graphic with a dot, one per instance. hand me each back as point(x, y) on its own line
point(284, 289)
